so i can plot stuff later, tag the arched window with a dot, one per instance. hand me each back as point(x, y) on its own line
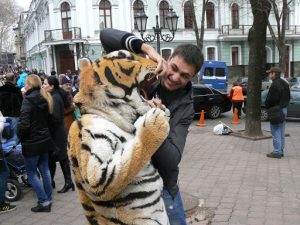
point(105, 14)
point(234, 56)
point(188, 18)
point(166, 53)
point(235, 16)
point(211, 54)
point(210, 15)
point(138, 7)
point(66, 20)
point(163, 12)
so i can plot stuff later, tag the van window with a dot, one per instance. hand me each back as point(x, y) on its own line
point(220, 72)
point(209, 71)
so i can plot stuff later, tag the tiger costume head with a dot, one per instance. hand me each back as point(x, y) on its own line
point(111, 85)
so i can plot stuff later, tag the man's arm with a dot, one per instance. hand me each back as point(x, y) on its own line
point(273, 97)
point(113, 40)
point(170, 152)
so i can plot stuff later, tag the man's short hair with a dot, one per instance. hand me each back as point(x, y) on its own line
point(10, 77)
point(191, 54)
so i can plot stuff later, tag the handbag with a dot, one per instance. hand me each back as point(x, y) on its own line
point(276, 115)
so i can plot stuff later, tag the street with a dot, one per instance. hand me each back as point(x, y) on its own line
point(232, 175)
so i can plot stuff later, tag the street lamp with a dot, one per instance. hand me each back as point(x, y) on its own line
point(141, 22)
point(72, 47)
point(86, 48)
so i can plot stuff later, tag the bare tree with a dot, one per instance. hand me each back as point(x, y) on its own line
point(9, 12)
point(199, 35)
point(281, 17)
point(257, 41)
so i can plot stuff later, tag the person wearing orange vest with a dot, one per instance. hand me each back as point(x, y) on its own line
point(237, 98)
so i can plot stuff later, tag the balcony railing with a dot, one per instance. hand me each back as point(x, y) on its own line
point(229, 30)
point(63, 34)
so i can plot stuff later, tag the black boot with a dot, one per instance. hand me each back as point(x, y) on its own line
point(65, 167)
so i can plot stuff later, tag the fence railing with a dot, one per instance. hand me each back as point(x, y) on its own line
point(229, 30)
point(63, 34)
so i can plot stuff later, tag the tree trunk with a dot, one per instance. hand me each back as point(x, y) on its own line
point(257, 44)
point(204, 2)
point(195, 26)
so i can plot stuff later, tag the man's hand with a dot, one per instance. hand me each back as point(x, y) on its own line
point(156, 103)
point(153, 54)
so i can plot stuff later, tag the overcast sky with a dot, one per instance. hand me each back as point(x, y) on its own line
point(24, 4)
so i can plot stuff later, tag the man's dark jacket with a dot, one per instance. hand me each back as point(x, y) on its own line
point(33, 128)
point(179, 102)
point(10, 100)
point(279, 94)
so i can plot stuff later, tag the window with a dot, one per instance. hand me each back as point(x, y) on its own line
point(105, 14)
point(235, 56)
point(188, 15)
point(235, 16)
point(209, 71)
point(66, 20)
point(210, 15)
point(211, 53)
point(220, 72)
point(295, 95)
point(201, 91)
point(138, 7)
point(166, 53)
point(163, 12)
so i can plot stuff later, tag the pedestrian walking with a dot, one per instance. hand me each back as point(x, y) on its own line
point(4, 172)
point(237, 98)
point(174, 89)
point(36, 141)
point(276, 103)
point(58, 134)
point(11, 101)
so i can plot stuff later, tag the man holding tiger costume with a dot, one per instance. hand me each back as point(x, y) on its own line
point(174, 90)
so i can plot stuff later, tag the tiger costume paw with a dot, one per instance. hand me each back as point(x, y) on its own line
point(153, 127)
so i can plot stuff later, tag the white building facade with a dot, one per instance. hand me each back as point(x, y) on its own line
point(55, 33)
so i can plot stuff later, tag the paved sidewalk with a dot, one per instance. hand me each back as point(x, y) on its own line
point(235, 176)
point(229, 173)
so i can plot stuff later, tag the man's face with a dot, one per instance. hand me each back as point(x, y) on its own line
point(66, 87)
point(178, 74)
point(272, 75)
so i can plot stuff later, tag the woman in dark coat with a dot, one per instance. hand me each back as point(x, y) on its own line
point(58, 133)
point(34, 134)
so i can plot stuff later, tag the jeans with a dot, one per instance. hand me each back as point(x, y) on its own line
point(237, 105)
point(174, 208)
point(43, 191)
point(278, 135)
point(4, 172)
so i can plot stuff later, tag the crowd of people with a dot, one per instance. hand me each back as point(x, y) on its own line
point(40, 110)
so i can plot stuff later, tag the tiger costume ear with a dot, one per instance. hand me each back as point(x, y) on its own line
point(83, 63)
point(87, 81)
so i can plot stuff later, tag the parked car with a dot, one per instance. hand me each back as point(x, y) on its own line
point(243, 82)
point(266, 83)
point(210, 100)
point(294, 81)
point(293, 109)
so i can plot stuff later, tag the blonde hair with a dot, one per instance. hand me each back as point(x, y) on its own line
point(36, 82)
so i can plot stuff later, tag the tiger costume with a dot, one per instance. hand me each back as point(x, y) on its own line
point(111, 145)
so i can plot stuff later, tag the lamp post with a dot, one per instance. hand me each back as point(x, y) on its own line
point(141, 21)
point(72, 48)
